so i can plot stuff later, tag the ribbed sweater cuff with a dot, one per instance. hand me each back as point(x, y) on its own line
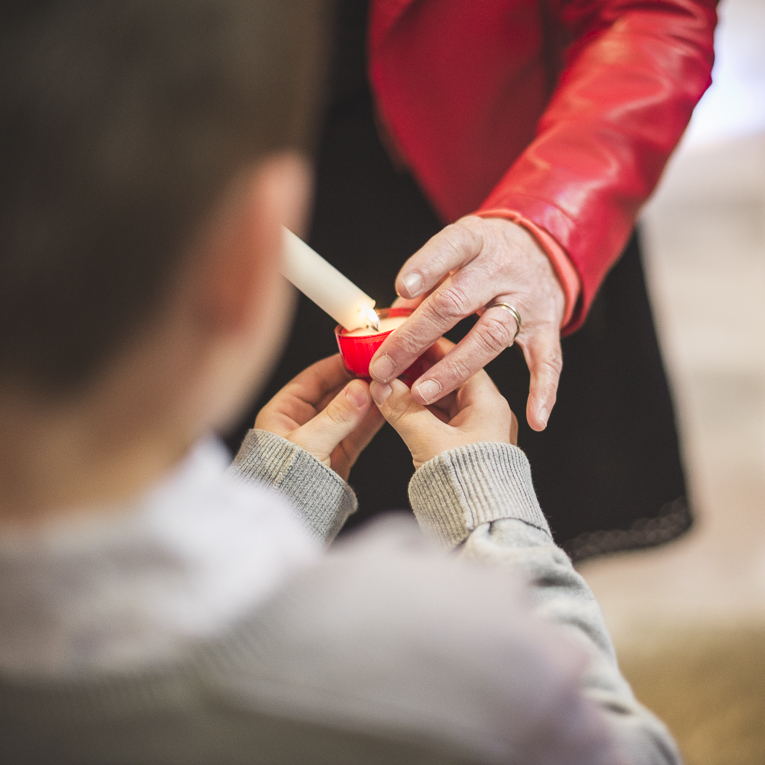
point(464, 488)
point(323, 498)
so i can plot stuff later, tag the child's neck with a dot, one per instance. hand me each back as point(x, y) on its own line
point(63, 459)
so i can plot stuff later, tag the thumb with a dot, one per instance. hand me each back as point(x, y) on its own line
point(397, 406)
point(344, 413)
point(418, 427)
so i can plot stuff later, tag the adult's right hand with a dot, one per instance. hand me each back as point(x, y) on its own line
point(465, 268)
point(476, 412)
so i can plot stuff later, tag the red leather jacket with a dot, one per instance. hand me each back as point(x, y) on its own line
point(564, 111)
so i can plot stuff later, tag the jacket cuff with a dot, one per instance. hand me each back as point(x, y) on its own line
point(459, 490)
point(322, 498)
point(564, 268)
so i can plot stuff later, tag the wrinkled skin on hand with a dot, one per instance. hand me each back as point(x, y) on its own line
point(465, 267)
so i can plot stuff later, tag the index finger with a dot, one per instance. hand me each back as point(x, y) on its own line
point(450, 249)
point(461, 295)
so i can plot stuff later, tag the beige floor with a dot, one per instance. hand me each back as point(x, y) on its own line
point(707, 685)
point(706, 245)
point(689, 619)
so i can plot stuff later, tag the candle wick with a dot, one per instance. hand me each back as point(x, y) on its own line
point(373, 320)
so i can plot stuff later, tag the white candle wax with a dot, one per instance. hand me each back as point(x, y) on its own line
point(386, 325)
point(325, 285)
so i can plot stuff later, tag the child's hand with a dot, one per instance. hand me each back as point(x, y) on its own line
point(326, 415)
point(475, 412)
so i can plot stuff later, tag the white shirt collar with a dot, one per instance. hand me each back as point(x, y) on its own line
point(139, 583)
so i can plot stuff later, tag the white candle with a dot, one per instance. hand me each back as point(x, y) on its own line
point(325, 285)
point(386, 325)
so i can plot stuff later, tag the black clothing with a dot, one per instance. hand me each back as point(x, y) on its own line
point(607, 469)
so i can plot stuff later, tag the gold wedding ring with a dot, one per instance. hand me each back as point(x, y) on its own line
point(512, 312)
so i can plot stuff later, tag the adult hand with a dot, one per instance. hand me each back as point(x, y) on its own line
point(476, 412)
point(325, 414)
point(462, 269)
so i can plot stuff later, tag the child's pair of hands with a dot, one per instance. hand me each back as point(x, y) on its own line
point(334, 419)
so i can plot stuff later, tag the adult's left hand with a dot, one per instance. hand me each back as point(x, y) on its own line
point(463, 269)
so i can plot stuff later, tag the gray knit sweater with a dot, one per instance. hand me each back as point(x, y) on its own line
point(385, 649)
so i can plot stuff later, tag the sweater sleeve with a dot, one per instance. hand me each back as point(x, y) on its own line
point(321, 497)
point(480, 500)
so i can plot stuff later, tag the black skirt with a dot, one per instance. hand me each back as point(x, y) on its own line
point(607, 469)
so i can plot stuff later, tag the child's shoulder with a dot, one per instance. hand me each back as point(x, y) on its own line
point(385, 625)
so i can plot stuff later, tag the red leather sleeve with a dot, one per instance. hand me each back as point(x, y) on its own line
point(631, 77)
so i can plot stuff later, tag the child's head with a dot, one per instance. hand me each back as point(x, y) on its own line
point(148, 151)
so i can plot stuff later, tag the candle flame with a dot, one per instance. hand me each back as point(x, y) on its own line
point(373, 320)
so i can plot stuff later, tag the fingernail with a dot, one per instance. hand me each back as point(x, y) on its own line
point(429, 390)
point(357, 393)
point(380, 391)
point(382, 368)
point(412, 284)
point(542, 416)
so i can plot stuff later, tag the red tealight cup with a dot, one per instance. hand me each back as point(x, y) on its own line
point(357, 350)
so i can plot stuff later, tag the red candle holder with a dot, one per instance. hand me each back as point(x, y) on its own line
point(357, 350)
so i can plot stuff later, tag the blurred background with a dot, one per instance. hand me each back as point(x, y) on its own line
point(689, 619)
